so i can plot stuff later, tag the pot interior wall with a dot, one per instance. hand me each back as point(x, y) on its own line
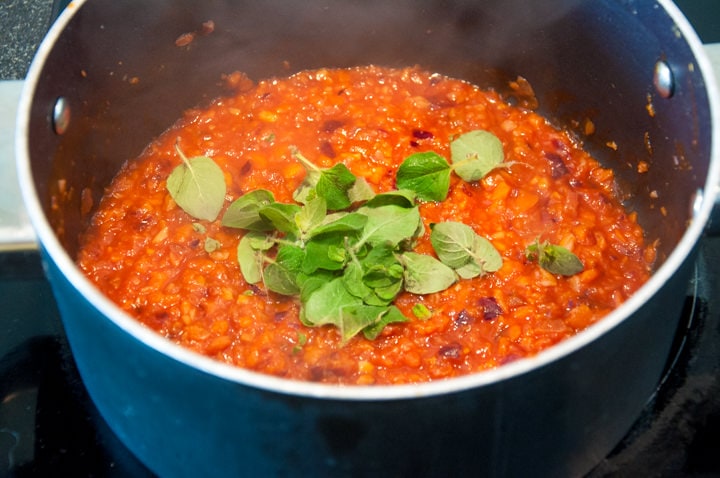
point(590, 64)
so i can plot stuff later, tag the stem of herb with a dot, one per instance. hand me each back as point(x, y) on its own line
point(181, 154)
point(305, 162)
point(352, 251)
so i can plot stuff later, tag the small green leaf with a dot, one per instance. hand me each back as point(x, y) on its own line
point(470, 270)
point(421, 311)
point(301, 341)
point(306, 191)
point(475, 154)
point(311, 215)
point(458, 246)
point(281, 275)
point(323, 306)
point(424, 274)
point(211, 245)
point(389, 292)
point(427, 174)
point(250, 258)
point(243, 213)
point(402, 197)
point(347, 223)
point(391, 223)
point(260, 241)
point(360, 191)
point(554, 259)
point(282, 217)
point(391, 315)
point(382, 275)
point(325, 252)
point(377, 274)
point(310, 283)
point(353, 281)
point(332, 184)
point(356, 317)
point(382, 257)
point(279, 279)
point(198, 186)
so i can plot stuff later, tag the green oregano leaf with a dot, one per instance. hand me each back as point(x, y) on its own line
point(281, 274)
point(323, 306)
point(343, 223)
point(475, 154)
point(458, 246)
point(243, 213)
point(391, 224)
point(333, 304)
point(390, 315)
point(312, 214)
point(211, 245)
point(427, 174)
point(380, 274)
point(282, 217)
point(554, 259)
point(332, 184)
point(356, 317)
point(325, 252)
point(421, 311)
point(250, 257)
point(360, 191)
point(425, 275)
point(388, 293)
point(353, 281)
point(197, 186)
point(400, 197)
point(309, 283)
point(300, 343)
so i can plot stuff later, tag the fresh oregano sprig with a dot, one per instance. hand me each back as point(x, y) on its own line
point(348, 266)
point(347, 252)
point(554, 258)
point(198, 186)
point(473, 155)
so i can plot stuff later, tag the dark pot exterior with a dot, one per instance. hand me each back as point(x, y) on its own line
point(558, 420)
point(554, 415)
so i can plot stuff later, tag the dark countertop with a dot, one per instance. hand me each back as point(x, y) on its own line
point(23, 24)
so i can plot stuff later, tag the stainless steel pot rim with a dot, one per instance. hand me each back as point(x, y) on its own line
point(55, 252)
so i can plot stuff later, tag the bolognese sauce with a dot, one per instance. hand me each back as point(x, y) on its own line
point(179, 275)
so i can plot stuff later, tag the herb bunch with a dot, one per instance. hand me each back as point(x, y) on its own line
point(345, 251)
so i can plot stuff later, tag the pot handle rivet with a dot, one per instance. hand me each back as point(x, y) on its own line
point(61, 116)
point(663, 79)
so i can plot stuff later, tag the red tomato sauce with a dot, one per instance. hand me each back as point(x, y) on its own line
point(147, 255)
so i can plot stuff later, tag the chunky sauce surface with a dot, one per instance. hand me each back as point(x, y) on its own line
point(145, 253)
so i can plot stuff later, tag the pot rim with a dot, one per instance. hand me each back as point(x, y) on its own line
point(54, 251)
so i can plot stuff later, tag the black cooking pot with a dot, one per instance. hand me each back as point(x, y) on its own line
point(110, 76)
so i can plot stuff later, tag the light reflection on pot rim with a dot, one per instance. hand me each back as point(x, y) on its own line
point(54, 250)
